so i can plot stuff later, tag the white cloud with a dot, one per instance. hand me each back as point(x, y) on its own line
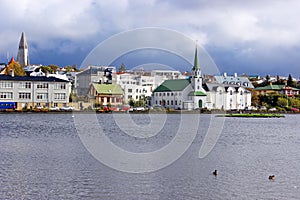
point(223, 24)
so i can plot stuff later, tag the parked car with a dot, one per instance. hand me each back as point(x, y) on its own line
point(54, 108)
point(263, 108)
point(139, 109)
point(296, 110)
point(67, 108)
point(272, 109)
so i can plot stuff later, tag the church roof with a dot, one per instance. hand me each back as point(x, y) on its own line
point(173, 85)
point(23, 42)
point(112, 89)
point(196, 61)
point(197, 93)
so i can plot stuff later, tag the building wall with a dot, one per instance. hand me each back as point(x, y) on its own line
point(31, 93)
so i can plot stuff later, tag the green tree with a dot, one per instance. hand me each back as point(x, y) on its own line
point(122, 68)
point(69, 68)
point(290, 81)
point(294, 102)
point(53, 68)
point(131, 102)
point(282, 102)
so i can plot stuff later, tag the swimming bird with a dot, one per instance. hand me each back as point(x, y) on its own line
point(272, 177)
point(215, 172)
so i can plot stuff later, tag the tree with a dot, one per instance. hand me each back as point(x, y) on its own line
point(295, 102)
point(53, 67)
point(290, 81)
point(282, 102)
point(254, 98)
point(122, 68)
point(131, 102)
point(16, 68)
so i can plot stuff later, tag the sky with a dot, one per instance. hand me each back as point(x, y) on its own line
point(253, 37)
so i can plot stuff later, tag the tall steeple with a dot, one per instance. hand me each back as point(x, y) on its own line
point(197, 77)
point(23, 56)
point(196, 61)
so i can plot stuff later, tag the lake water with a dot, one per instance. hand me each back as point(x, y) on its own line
point(42, 157)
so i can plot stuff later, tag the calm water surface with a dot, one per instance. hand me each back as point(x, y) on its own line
point(42, 157)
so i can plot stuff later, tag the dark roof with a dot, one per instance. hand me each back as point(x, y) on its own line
point(30, 78)
point(172, 85)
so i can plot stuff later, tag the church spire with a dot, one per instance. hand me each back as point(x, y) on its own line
point(196, 61)
point(23, 57)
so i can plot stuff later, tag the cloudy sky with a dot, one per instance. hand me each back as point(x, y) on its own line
point(253, 37)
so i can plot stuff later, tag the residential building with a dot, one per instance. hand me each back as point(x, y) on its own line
point(106, 94)
point(32, 91)
point(93, 74)
point(278, 89)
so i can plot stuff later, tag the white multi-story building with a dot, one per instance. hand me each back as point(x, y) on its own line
point(32, 91)
point(139, 85)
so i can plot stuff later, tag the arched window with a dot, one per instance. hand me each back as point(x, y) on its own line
point(230, 92)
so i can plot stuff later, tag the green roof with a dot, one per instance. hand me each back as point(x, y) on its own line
point(270, 87)
point(274, 87)
point(172, 85)
point(197, 93)
point(113, 89)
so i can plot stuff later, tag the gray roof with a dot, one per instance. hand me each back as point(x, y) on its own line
point(234, 81)
point(30, 78)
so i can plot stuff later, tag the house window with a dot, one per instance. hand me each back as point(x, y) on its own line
point(6, 95)
point(176, 102)
point(24, 95)
point(168, 102)
point(55, 104)
point(60, 86)
point(164, 94)
point(59, 96)
point(171, 102)
point(129, 90)
point(136, 97)
point(156, 102)
point(230, 92)
point(42, 85)
point(160, 94)
point(42, 96)
point(241, 92)
point(26, 85)
point(137, 90)
point(168, 94)
point(220, 92)
point(6, 84)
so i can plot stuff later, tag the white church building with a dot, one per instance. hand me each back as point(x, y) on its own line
point(225, 92)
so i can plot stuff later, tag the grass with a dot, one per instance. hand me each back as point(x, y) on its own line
point(253, 115)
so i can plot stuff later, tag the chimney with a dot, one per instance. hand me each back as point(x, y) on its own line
point(235, 75)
